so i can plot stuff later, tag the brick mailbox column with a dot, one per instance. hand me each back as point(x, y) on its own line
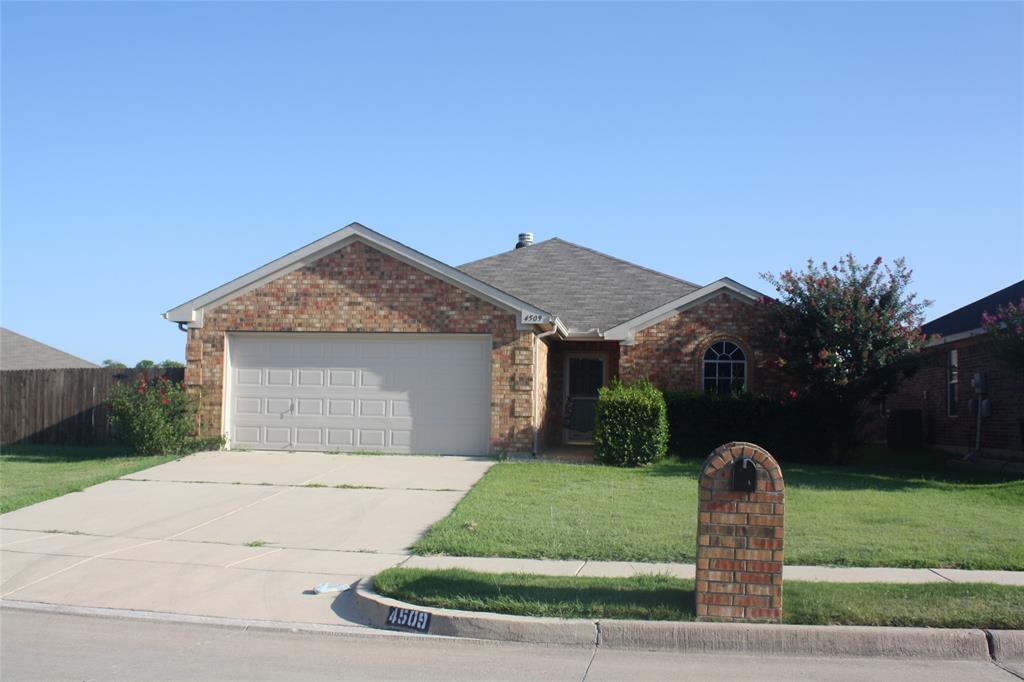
point(739, 538)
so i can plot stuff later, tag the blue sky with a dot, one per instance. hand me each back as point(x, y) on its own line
point(153, 151)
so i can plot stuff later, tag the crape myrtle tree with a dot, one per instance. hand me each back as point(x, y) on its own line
point(845, 334)
point(1006, 331)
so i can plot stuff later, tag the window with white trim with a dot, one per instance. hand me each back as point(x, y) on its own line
point(725, 368)
point(952, 381)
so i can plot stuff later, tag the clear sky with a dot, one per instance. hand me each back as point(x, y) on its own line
point(154, 151)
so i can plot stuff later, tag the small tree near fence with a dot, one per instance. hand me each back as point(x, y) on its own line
point(632, 424)
point(846, 333)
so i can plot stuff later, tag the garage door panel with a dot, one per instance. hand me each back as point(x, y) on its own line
point(340, 438)
point(373, 408)
point(400, 393)
point(342, 378)
point(341, 408)
point(310, 407)
point(401, 408)
point(311, 377)
point(279, 406)
point(249, 377)
point(309, 437)
point(372, 438)
point(279, 377)
point(280, 436)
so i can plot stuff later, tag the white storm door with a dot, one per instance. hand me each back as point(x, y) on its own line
point(403, 393)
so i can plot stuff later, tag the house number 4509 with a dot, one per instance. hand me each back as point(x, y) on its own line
point(408, 618)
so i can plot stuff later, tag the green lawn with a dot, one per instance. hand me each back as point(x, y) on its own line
point(33, 473)
point(846, 516)
point(656, 597)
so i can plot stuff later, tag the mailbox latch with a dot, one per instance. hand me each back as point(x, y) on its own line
point(744, 475)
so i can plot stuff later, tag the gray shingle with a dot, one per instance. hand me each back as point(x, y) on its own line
point(586, 289)
point(21, 352)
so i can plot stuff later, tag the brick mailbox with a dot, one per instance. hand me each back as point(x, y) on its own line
point(740, 536)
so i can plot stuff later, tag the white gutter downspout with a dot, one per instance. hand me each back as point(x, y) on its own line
point(536, 402)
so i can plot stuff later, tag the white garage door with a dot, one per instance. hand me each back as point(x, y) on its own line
point(408, 393)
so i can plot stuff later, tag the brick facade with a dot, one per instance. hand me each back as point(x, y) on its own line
point(740, 538)
point(670, 353)
point(926, 391)
point(361, 289)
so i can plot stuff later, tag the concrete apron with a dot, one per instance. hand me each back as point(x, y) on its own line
point(839, 641)
point(234, 535)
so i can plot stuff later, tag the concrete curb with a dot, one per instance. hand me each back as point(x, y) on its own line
point(1007, 645)
point(820, 641)
point(375, 608)
point(682, 637)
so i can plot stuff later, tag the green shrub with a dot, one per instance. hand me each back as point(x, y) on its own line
point(791, 429)
point(157, 417)
point(632, 426)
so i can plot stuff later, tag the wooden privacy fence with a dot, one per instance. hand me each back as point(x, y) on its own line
point(64, 406)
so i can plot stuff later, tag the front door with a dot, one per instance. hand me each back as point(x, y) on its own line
point(586, 376)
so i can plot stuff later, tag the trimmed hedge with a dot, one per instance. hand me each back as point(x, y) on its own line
point(632, 425)
point(791, 431)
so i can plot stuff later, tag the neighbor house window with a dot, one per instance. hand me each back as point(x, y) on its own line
point(725, 368)
point(952, 381)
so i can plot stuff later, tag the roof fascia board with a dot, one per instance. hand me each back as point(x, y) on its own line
point(191, 311)
point(625, 331)
point(959, 336)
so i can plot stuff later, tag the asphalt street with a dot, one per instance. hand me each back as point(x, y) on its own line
point(49, 646)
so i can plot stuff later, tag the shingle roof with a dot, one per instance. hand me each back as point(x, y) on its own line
point(21, 352)
point(586, 289)
point(968, 317)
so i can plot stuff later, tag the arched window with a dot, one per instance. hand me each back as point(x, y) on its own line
point(725, 368)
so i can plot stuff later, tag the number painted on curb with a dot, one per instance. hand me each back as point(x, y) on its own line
point(408, 618)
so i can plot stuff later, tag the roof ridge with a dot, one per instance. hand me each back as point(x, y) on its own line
point(621, 260)
point(504, 253)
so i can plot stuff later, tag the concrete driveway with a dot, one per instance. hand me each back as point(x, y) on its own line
point(230, 534)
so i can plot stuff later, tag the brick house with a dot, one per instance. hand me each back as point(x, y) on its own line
point(358, 342)
point(941, 396)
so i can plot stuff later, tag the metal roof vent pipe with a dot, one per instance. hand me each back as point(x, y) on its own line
point(525, 239)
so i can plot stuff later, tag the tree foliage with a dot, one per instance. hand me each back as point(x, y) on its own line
point(845, 333)
point(1006, 330)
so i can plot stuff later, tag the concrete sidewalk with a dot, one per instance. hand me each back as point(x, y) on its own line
point(622, 569)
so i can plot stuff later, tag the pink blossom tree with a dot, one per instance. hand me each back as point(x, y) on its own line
point(1006, 330)
point(846, 333)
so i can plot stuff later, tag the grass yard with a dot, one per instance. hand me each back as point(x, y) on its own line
point(655, 597)
point(33, 473)
point(843, 516)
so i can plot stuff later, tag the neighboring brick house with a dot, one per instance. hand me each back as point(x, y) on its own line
point(358, 342)
point(941, 393)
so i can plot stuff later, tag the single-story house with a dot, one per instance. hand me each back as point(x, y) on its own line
point(943, 392)
point(21, 352)
point(359, 342)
